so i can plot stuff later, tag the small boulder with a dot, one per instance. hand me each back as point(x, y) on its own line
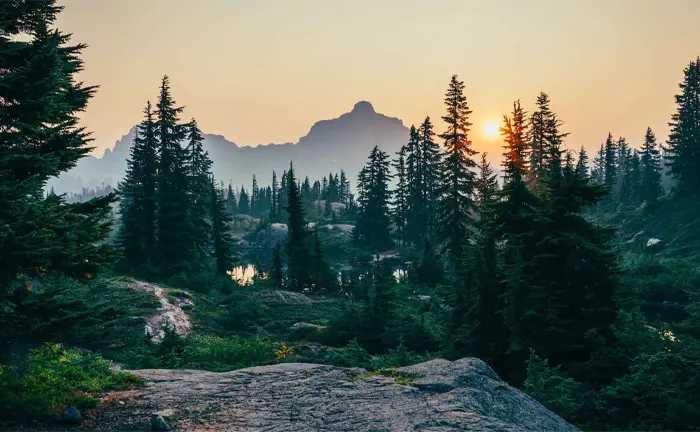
point(72, 415)
point(164, 420)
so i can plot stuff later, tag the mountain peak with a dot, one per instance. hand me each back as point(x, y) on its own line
point(363, 107)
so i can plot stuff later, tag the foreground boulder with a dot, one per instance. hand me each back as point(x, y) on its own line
point(438, 395)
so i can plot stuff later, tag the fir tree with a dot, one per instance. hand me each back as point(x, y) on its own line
point(198, 166)
point(137, 234)
point(400, 195)
point(610, 163)
point(598, 170)
point(562, 287)
point(486, 185)
point(650, 168)
point(274, 204)
point(276, 273)
point(298, 257)
point(683, 145)
point(456, 176)
point(582, 163)
point(429, 175)
point(515, 217)
point(243, 202)
point(373, 219)
point(344, 188)
point(175, 246)
point(231, 203)
point(222, 240)
point(39, 139)
point(322, 277)
point(255, 198)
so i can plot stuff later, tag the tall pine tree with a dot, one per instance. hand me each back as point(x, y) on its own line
point(457, 177)
point(138, 206)
point(221, 239)
point(198, 166)
point(683, 145)
point(175, 246)
point(650, 168)
point(298, 256)
point(373, 216)
point(40, 138)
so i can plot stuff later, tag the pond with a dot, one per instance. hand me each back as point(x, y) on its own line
point(243, 273)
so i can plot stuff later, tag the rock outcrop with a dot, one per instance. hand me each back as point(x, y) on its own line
point(438, 395)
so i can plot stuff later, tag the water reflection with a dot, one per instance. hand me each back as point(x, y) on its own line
point(243, 274)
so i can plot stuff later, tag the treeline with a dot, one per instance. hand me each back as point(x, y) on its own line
point(534, 281)
point(269, 201)
point(173, 213)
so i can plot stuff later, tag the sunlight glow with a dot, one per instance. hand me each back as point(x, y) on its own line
point(491, 129)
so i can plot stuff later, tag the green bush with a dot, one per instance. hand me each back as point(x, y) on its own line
point(222, 354)
point(52, 378)
point(552, 388)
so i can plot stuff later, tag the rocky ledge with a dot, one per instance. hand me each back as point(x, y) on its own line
point(438, 395)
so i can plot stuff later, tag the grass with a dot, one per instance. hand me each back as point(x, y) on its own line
point(52, 378)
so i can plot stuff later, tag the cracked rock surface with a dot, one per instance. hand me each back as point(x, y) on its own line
point(438, 395)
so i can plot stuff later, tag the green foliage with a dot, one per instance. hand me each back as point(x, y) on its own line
point(456, 178)
point(298, 255)
point(52, 378)
point(682, 150)
point(552, 388)
point(222, 354)
point(372, 228)
point(41, 138)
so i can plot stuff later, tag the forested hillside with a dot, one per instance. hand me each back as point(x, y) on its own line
point(575, 277)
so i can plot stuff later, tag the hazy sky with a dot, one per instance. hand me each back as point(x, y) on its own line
point(264, 71)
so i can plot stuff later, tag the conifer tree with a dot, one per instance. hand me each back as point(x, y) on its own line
point(231, 203)
point(683, 145)
point(40, 138)
point(373, 218)
point(598, 169)
point(412, 190)
point(255, 198)
point(137, 233)
point(456, 176)
point(486, 185)
point(561, 291)
point(298, 256)
point(633, 179)
point(477, 325)
point(276, 273)
point(515, 217)
point(429, 176)
point(243, 202)
point(610, 163)
point(198, 166)
point(221, 238)
point(400, 195)
point(175, 246)
point(650, 169)
point(344, 188)
point(322, 277)
point(274, 204)
point(582, 163)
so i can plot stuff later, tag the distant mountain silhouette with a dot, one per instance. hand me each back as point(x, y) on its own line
point(330, 145)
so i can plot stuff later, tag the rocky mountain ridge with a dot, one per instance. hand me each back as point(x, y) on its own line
point(329, 146)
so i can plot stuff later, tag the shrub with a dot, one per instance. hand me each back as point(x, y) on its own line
point(550, 387)
point(52, 378)
point(221, 354)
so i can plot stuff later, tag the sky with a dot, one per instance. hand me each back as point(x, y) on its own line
point(264, 71)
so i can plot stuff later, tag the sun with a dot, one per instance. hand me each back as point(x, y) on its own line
point(491, 129)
